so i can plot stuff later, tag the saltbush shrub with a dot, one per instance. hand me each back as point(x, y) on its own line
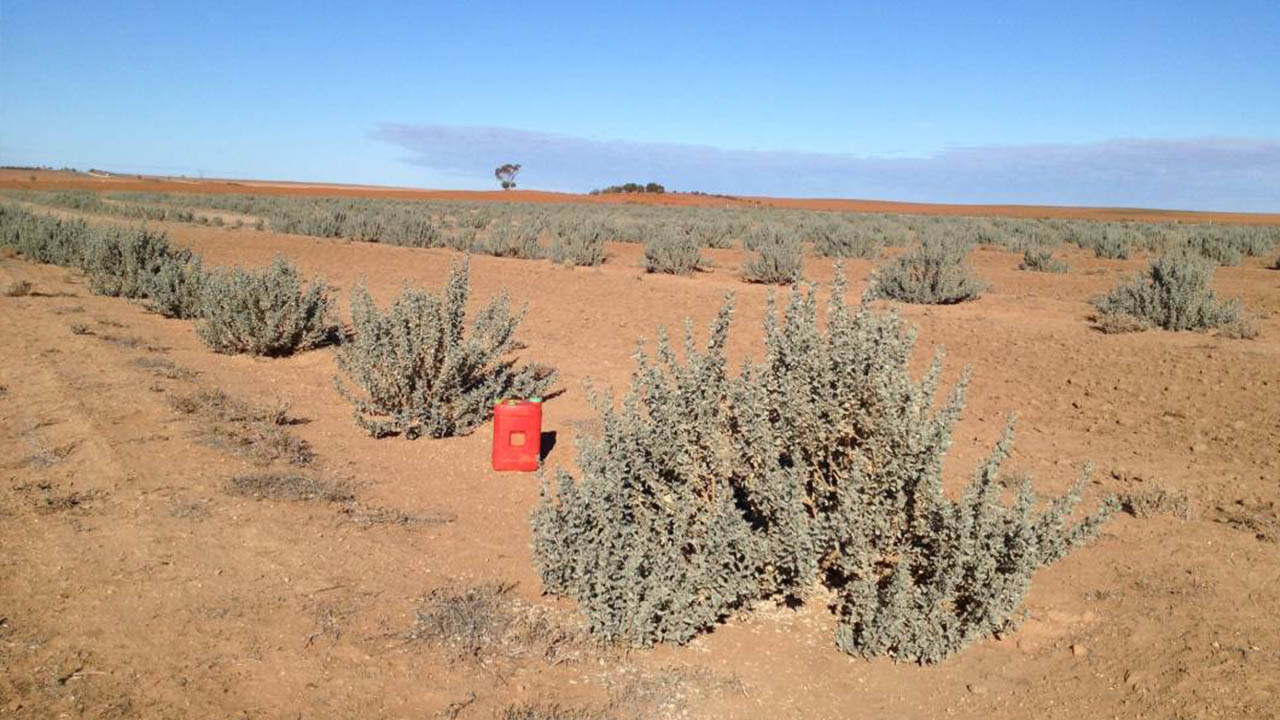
point(935, 273)
point(671, 251)
point(43, 238)
point(177, 287)
point(580, 246)
point(420, 370)
point(777, 262)
point(1041, 261)
point(265, 311)
point(1113, 244)
point(124, 262)
point(1217, 248)
point(508, 241)
point(1173, 294)
point(821, 464)
point(841, 239)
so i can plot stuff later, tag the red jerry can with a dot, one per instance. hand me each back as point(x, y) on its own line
point(517, 435)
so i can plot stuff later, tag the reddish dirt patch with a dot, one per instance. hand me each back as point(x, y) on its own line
point(135, 584)
point(58, 180)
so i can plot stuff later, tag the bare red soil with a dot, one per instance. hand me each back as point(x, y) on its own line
point(58, 180)
point(133, 584)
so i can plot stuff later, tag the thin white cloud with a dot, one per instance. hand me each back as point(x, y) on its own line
point(1235, 174)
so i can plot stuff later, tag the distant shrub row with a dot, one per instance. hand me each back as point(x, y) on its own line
point(418, 369)
point(652, 187)
point(468, 225)
point(264, 312)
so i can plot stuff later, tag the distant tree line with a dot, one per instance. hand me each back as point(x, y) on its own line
point(652, 187)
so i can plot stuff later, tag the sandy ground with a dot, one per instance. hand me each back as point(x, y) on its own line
point(133, 584)
point(58, 180)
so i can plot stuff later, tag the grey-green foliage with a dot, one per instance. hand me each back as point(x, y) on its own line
point(763, 235)
point(177, 288)
point(778, 261)
point(264, 312)
point(1041, 261)
point(1173, 294)
point(672, 251)
point(1216, 247)
point(935, 273)
point(43, 238)
point(842, 239)
point(706, 490)
point(581, 245)
point(1113, 244)
point(124, 262)
point(434, 223)
point(421, 370)
point(505, 240)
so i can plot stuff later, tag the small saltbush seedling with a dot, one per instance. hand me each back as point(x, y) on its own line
point(672, 251)
point(935, 273)
point(1173, 294)
point(264, 312)
point(420, 370)
point(778, 262)
point(1041, 261)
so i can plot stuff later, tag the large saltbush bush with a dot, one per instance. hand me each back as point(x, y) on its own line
point(935, 273)
point(1174, 294)
point(706, 490)
point(419, 369)
point(264, 312)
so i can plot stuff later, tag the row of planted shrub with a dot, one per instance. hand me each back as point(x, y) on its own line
point(415, 369)
point(706, 490)
point(266, 312)
point(516, 229)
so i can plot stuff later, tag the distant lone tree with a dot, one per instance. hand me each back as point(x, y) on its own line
point(506, 175)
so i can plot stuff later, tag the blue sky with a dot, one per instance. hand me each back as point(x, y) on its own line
point(1161, 104)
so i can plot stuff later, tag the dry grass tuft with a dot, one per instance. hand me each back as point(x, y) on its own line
point(18, 288)
point(1119, 323)
point(255, 432)
point(364, 516)
point(165, 368)
point(549, 711)
point(286, 486)
point(1253, 516)
point(485, 624)
point(1153, 501)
